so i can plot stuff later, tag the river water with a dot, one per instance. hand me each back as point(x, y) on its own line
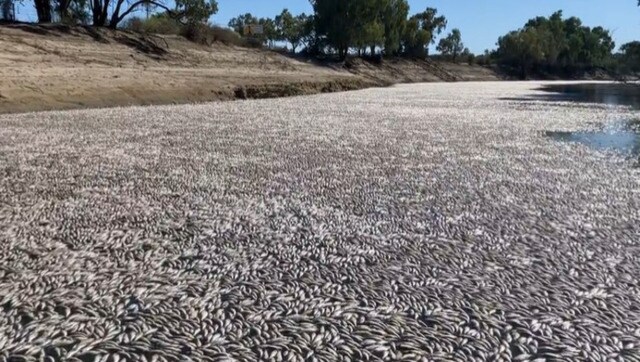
point(623, 136)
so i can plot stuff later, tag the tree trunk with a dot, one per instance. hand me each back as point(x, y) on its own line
point(100, 10)
point(342, 53)
point(95, 11)
point(373, 50)
point(63, 9)
point(43, 9)
point(115, 17)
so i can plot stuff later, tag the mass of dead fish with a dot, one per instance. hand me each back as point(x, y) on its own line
point(428, 222)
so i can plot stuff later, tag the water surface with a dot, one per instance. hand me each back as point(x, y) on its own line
point(623, 137)
point(614, 94)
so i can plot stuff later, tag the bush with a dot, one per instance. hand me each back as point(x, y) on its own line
point(470, 59)
point(227, 36)
point(209, 34)
point(196, 32)
point(157, 24)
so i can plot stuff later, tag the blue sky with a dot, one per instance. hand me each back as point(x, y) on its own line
point(480, 21)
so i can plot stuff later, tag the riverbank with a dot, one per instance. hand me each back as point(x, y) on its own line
point(58, 67)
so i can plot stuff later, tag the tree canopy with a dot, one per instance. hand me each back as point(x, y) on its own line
point(291, 28)
point(555, 44)
point(451, 45)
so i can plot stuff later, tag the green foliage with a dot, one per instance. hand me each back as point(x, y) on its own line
point(291, 28)
point(367, 29)
point(629, 57)
point(307, 29)
point(240, 22)
point(361, 24)
point(76, 12)
point(394, 19)
point(415, 40)
point(202, 33)
point(195, 11)
point(420, 31)
point(112, 12)
point(334, 20)
point(468, 56)
point(270, 33)
point(555, 45)
point(431, 24)
point(160, 23)
point(451, 45)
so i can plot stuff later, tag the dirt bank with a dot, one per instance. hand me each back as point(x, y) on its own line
point(58, 67)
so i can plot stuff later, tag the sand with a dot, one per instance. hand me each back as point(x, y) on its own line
point(56, 67)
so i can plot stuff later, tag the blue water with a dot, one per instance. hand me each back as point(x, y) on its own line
point(626, 142)
point(623, 137)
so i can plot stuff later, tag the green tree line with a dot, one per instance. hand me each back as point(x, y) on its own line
point(554, 44)
point(359, 26)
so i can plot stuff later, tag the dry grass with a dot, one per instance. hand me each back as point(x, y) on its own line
point(206, 34)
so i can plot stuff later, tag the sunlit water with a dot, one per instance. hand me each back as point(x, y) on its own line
point(623, 137)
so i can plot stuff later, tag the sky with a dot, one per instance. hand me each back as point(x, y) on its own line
point(481, 22)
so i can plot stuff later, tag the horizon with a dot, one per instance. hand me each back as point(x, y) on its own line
point(497, 17)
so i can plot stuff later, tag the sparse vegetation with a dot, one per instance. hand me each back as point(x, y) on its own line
point(544, 46)
point(452, 46)
point(202, 33)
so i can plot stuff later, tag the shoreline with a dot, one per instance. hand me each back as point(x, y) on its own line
point(49, 68)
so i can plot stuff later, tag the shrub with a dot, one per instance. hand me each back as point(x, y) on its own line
point(227, 36)
point(157, 24)
point(162, 25)
point(209, 34)
point(196, 32)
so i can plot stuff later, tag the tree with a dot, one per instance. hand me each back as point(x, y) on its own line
point(521, 49)
point(290, 28)
point(556, 45)
point(630, 57)
point(193, 11)
point(334, 21)
point(240, 22)
point(313, 42)
point(420, 31)
point(73, 11)
point(367, 29)
point(372, 35)
point(431, 23)
point(394, 19)
point(468, 56)
point(415, 40)
point(43, 10)
point(270, 32)
point(6, 10)
point(184, 11)
point(451, 45)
